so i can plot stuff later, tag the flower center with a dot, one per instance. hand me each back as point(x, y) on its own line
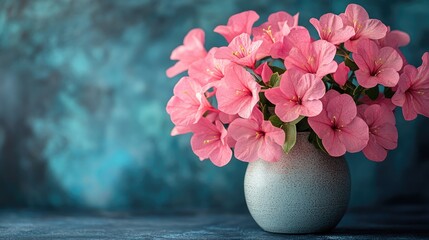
point(335, 124)
point(260, 134)
point(269, 33)
point(211, 139)
point(241, 53)
point(326, 32)
point(297, 100)
point(242, 92)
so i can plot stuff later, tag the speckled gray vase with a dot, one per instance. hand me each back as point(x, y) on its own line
point(307, 191)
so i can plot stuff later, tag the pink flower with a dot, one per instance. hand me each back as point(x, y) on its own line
point(264, 71)
point(210, 141)
point(256, 138)
point(316, 58)
point(331, 28)
point(240, 50)
point(227, 118)
point(381, 100)
point(178, 130)
point(342, 74)
point(188, 104)
point(298, 94)
point(365, 28)
point(338, 126)
point(298, 37)
point(238, 24)
point(191, 51)
point(238, 92)
point(376, 66)
point(279, 25)
point(394, 39)
point(208, 69)
point(383, 134)
point(413, 90)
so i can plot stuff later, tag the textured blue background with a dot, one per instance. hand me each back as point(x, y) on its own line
point(82, 106)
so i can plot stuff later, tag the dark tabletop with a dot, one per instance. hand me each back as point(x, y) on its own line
point(379, 223)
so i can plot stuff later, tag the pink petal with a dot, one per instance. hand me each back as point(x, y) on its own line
point(399, 98)
point(311, 108)
point(182, 113)
point(188, 104)
point(238, 24)
point(275, 95)
point(227, 118)
point(373, 151)
point(387, 136)
point(390, 58)
point(309, 87)
point(247, 149)
point(270, 151)
point(408, 109)
point(277, 135)
point(287, 111)
point(326, 51)
point(177, 68)
point(296, 37)
point(191, 51)
point(177, 130)
point(342, 35)
point(321, 124)
point(243, 128)
point(331, 29)
point(367, 52)
point(202, 145)
point(356, 12)
point(388, 77)
point(355, 135)
point(264, 71)
point(396, 39)
point(238, 92)
point(195, 37)
point(316, 24)
point(221, 156)
point(373, 29)
point(365, 79)
point(328, 96)
point(333, 145)
point(342, 74)
point(343, 109)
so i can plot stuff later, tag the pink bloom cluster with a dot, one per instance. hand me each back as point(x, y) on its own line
point(249, 97)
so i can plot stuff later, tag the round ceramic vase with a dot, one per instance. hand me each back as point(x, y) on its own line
point(307, 191)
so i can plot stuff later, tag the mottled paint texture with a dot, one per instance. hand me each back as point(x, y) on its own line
point(83, 93)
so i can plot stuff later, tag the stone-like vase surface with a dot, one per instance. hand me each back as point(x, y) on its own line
point(307, 191)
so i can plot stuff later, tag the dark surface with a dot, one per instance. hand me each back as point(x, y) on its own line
point(392, 223)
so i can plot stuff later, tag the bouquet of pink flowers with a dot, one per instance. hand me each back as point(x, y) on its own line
point(275, 80)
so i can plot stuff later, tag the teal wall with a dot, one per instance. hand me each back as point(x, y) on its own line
point(82, 106)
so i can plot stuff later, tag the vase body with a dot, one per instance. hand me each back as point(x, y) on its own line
point(307, 191)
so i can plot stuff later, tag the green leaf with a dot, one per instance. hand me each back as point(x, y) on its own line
point(294, 122)
point(316, 141)
point(320, 144)
point(303, 125)
point(388, 92)
point(262, 98)
point(373, 92)
point(276, 121)
point(277, 69)
point(290, 130)
point(274, 80)
point(352, 65)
